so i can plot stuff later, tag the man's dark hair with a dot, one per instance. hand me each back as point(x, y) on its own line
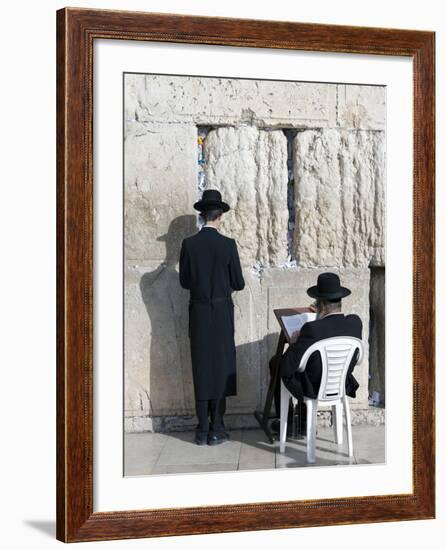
point(211, 214)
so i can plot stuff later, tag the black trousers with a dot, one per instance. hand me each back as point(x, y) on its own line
point(210, 415)
point(294, 386)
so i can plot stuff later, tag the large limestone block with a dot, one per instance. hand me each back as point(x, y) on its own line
point(160, 186)
point(158, 370)
point(339, 198)
point(361, 107)
point(249, 167)
point(288, 288)
point(158, 375)
point(209, 100)
point(249, 327)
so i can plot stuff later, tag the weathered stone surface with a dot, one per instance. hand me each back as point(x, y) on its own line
point(160, 186)
point(339, 198)
point(373, 416)
point(208, 101)
point(248, 332)
point(158, 371)
point(249, 167)
point(158, 377)
point(361, 107)
point(280, 104)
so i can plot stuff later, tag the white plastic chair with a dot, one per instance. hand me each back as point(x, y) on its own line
point(336, 354)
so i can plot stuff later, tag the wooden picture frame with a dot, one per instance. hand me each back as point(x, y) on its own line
point(76, 31)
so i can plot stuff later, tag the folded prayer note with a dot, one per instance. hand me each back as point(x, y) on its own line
point(293, 323)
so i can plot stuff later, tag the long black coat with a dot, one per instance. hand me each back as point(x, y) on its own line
point(307, 383)
point(210, 269)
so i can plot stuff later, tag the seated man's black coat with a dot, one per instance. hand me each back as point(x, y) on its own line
point(307, 383)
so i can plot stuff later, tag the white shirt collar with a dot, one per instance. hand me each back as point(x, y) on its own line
point(211, 226)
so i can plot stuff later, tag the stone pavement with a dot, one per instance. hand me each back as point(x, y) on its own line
point(172, 453)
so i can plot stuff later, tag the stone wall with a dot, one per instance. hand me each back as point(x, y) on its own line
point(249, 166)
point(339, 198)
point(377, 335)
point(338, 150)
point(261, 103)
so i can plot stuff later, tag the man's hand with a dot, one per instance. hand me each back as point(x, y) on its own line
point(313, 307)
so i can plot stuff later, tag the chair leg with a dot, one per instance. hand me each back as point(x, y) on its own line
point(348, 424)
point(284, 403)
point(337, 422)
point(311, 430)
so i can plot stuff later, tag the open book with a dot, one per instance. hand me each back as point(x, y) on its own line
point(293, 323)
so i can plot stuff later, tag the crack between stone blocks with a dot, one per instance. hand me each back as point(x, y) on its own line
point(337, 106)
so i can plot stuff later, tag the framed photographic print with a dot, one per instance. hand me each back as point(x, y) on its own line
point(230, 194)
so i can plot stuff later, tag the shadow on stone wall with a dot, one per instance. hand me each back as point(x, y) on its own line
point(167, 308)
point(252, 364)
point(170, 390)
point(164, 353)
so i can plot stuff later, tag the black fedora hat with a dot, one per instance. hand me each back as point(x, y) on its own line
point(211, 199)
point(328, 288)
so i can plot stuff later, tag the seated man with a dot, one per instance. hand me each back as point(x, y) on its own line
point(330, 321)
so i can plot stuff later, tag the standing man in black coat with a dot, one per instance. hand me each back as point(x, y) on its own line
point(329, 322)
point(210, 269)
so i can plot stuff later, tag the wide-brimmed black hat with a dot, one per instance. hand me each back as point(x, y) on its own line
point(328, 288)
point(211, 199)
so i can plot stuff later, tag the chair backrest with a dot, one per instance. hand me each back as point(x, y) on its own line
point(336, 355)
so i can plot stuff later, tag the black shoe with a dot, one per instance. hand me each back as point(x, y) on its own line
point(201, 438)
point(216, 439)
point(225, 433)
point(220, 430)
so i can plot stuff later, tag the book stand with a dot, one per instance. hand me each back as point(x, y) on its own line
point(263, 417)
